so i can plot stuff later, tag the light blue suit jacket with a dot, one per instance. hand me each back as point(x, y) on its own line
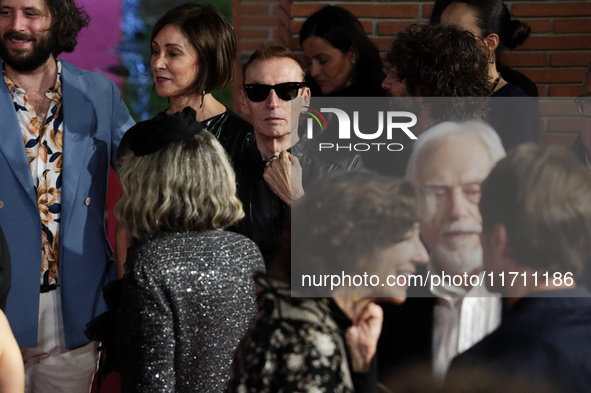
point(95, 119)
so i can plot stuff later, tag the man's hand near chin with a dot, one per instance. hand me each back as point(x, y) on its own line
point(284, 177)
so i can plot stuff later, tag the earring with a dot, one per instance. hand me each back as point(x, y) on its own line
point(202, 97)
point(491, 60)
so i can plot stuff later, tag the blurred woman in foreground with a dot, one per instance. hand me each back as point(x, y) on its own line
point(354, 223)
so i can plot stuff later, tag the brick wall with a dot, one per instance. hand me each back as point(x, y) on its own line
point(554, 56)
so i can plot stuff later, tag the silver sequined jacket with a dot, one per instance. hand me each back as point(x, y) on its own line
point(187, 300)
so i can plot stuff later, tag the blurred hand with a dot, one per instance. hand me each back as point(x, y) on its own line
point(362, 337)
point(284, 177)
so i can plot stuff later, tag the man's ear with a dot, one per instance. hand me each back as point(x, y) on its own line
point(499, 243)
point(242, 100)
point(307, 95)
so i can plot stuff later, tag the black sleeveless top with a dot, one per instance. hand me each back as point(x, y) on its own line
point(233, 132)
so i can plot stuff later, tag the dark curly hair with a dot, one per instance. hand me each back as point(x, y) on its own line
point(66, 21)
point(343, 31)
point(438, 61)
point(348, 218)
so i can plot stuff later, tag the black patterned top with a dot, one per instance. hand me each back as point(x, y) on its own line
point(293, 345)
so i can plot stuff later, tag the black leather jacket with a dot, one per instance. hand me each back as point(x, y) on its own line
point(232, 131)
point(265, 211)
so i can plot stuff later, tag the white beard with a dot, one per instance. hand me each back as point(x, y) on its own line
point(457, 262)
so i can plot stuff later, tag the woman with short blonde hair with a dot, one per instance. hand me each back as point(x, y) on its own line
point(187, 294)
point(187, 186)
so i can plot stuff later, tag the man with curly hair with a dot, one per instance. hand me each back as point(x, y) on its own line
point(445, 72)
point(53, 189)
point(437, 61)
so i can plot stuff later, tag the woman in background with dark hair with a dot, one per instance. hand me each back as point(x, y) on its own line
point(509, 74)
point(516, 120)
point(341, 59)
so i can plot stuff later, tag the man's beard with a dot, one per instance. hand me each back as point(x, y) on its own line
point(456, 261)
point(454, 257)
point(43, 47)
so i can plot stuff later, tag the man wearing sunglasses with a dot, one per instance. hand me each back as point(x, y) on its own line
point(582, 146)
point(269, 174)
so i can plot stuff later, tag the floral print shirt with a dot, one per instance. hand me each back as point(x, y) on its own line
point(293, 345)
point(44, 146)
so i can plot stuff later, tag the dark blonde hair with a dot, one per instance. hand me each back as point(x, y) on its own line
point(186, 186)
point(541, 196)
point(268, 51)
point(214, 41)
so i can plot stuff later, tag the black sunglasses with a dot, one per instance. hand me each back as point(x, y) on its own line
point(257, 92)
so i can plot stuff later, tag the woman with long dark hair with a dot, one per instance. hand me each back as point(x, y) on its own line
point(340, 58)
